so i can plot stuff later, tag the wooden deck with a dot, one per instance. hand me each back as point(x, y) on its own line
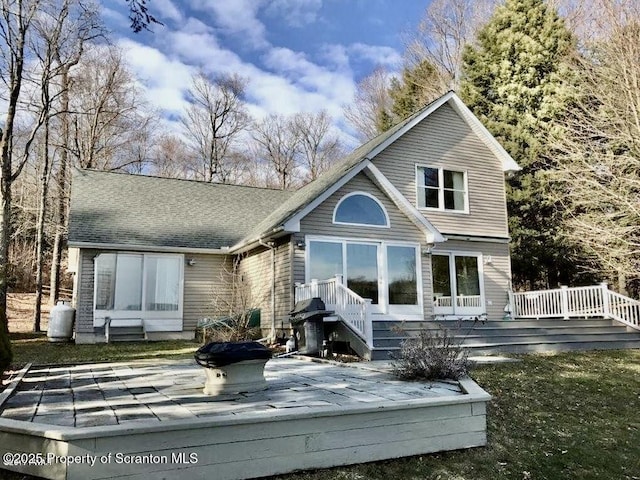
point(314, 416)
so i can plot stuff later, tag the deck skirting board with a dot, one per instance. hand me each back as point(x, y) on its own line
point(234, 450)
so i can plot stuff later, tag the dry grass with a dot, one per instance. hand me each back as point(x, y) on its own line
point(20, 308)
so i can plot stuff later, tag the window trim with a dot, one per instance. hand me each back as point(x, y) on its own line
point(441, 189)
point(367, 225)
point(170, 316)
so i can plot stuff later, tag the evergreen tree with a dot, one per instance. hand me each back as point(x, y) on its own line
point(418, 86)
point(517, 81)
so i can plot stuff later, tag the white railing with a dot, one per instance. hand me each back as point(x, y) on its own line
point(351, 307)
point(574, 302)
point(462, 301)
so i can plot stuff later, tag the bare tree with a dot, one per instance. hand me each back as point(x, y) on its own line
point(109, 114)
point(318, 147)
point(213, 123)
point(443, 32)
point(15, 26)
point(171, 158)
point(371, 99)
point(598, 145)
point(277, 147)
point(60, 32)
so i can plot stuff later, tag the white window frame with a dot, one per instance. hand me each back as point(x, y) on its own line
point(169, 320)
point(401, 312)
point(384, 210)
point(454, 311)
point(441, 189)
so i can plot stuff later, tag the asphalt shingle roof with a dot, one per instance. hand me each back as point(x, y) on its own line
point(135, 210)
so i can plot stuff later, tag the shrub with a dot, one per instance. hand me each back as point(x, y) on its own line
point(431, 355)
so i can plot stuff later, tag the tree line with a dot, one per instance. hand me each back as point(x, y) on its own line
point(558, 84)
point(70, 100)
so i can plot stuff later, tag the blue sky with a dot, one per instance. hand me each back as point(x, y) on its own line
point(299, 55)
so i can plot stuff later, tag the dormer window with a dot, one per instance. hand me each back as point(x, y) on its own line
point(440, 189)
point(360, 208)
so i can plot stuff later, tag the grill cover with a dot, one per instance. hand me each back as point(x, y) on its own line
point(219, 354)
point(310, 305)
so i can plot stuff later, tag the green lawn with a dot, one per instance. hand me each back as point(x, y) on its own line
point(35, 348)
point(568, 416)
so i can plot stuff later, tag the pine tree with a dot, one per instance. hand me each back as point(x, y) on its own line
point(517, 81)
point(418, 86)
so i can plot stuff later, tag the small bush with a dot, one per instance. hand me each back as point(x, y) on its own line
point(431, 356)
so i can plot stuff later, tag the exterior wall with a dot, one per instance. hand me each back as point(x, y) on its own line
point(444, 140)
point(255, 267)
point(202, 282)
point(320, 222)
point(496, 275)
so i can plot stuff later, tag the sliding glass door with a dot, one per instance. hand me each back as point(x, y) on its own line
point(457, 284)
point(386, 273)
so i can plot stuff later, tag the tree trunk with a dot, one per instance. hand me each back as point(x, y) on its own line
point(42, 210)
point(58, 243)
point(5, 234)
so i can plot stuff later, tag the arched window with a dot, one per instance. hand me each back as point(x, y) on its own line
point(360, 208)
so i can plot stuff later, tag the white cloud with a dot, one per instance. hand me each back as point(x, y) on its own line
point(376, 54)
point(165, 9)
point(163, 79)
point(296, 13)
point(237, 17)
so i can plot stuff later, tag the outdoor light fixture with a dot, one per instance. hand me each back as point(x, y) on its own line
point(488, 260)
point(428, 249)
point(191, 262)
point(300, 245)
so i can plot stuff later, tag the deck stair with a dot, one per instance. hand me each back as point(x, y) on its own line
point(512, 336)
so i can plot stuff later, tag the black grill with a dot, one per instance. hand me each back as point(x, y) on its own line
point(307, 320)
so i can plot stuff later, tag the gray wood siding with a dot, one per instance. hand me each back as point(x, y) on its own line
point(444, 140)
point(497, 275)
point(204, 281)
point(320, 222)
point(256, 270)
point(84, 300)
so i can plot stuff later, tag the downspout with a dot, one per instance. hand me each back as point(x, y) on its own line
point(270, 246)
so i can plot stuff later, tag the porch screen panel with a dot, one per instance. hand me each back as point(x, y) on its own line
point(325, 260)
point(403, 283)
point(162, 284)
point(441, 280)
point(362, 270)
point(105, 281)
point(467, 276)
point(128, 282)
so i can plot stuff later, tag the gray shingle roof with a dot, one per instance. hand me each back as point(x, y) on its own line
point(135, 210)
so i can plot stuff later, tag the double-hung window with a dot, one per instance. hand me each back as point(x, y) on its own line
point(441, 189)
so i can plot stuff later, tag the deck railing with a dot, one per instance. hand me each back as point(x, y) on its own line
point(347, 304)
point(565, 302)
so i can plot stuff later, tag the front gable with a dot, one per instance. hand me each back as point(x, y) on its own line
point(320, 221)
point(446, 140)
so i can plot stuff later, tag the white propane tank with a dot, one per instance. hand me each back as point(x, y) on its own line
point(61, 323)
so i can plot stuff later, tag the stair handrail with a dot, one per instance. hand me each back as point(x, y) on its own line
point(623, 309)
point(354, 310)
